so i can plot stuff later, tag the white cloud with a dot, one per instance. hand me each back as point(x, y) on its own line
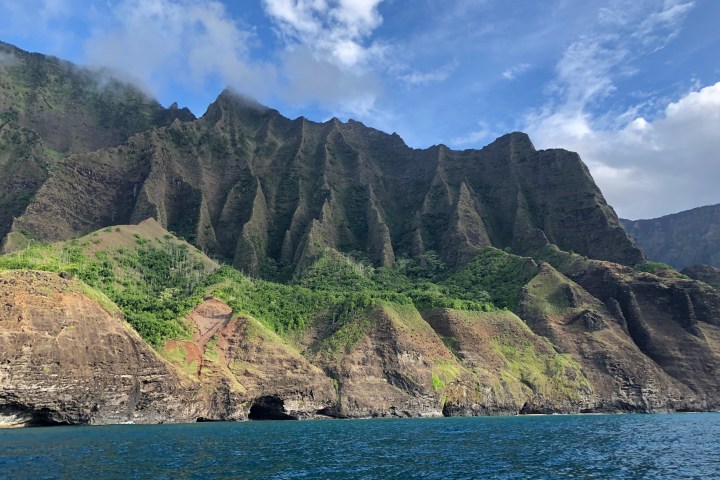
point(186, 41)
point(419, 79)
point(474, 138)
point(8, 59)
point(632, 159)
point(662, 26)
point(328, 59)
point(512, 72)
point(315, 80)
point(651, 168)
point(199, 46)
point(335, 29)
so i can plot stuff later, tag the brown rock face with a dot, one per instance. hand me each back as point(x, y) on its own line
point(611, 339)
point(246, 371)
point(704, 273)
point(511, 369)
point(388, 372)
point(66, 360)
point(646, 342)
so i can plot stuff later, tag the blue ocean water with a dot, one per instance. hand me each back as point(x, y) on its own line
point(538, 447)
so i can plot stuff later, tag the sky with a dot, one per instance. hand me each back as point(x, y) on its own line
point(633, 86)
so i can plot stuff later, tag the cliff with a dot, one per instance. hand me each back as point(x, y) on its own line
point(370, 279)
point(586, 336)
point(681, 239)
point(245, 184)
point(50, 108)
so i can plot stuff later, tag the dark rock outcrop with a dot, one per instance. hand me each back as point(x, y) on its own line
point(704, 273)
point(660, 336)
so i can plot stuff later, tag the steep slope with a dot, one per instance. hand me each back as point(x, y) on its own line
point(681, 239)
point(68, 361)
point(672, 321)
point(250, 186)
point(24, 165)
point(50, 108)
point(599, 337)
point(246, 370)
point(74, 109)
point(704, 273)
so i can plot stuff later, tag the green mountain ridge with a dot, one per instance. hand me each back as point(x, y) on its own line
point(248, 185)
point(244, 266)
point(50, 108)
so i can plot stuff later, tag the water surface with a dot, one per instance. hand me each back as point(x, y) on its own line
point(543, 447)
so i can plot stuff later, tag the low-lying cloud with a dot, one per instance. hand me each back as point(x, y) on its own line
point(8, 60)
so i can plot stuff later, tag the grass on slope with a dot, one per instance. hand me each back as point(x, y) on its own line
point(406, 283)
point(492, 275)
point(156, 279)
point(154, 285)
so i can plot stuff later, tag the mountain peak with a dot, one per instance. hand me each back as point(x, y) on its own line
point(230, 96)
point(516, 140)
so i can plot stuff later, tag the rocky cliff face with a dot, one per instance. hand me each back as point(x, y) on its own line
point(682, 239)
point(68, 361)
point(74, 109)
point(581, 333)
point(248, 185)
point(634, 347)
point(704, 273)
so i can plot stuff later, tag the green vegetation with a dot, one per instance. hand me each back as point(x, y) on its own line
point(154, 286)
point(178, 356)
point(659, 268)
point(494, 276)
point(438, 385)
point(211, 351)
point(652, 267)
point(350, 331)
point(542, 372)
point(156, 283)
point(444, 372)
point(406, 283)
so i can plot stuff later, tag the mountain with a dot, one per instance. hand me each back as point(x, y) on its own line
point(704, 273)
point(244, 265)
point(50, 108)
point(250, 186)
point(682, 239)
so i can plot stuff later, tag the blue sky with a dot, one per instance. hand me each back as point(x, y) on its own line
point(632, 85)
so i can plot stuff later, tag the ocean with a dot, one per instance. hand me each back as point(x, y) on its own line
point(674, 446)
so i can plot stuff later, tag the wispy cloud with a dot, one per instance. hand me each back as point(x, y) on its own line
point(474, 138)
point(512, 72)
point(328, 58)
point(190, 41)
point(418, 79)
point(632, 159)
point(8, 60)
